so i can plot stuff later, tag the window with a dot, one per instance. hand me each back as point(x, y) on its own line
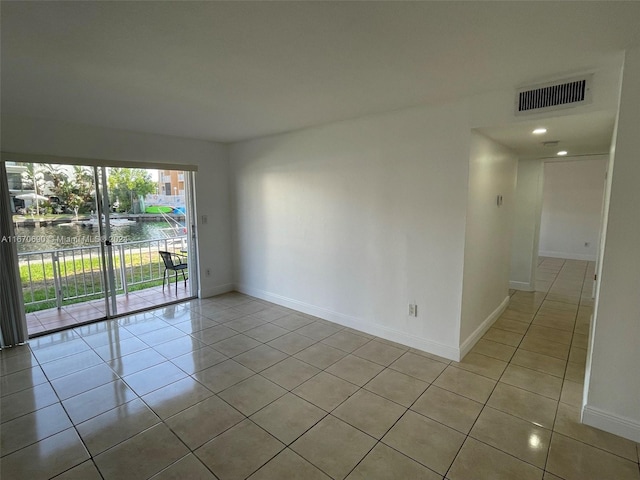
point(15, 181)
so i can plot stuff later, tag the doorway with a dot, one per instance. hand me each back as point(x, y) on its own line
point(571, 214)
point(89, 240)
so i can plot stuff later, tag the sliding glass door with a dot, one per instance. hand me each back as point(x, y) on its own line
point(96, 242)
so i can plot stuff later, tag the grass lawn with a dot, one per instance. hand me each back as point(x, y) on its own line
point(82, 277)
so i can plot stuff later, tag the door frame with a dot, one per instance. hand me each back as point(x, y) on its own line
point(102, 207)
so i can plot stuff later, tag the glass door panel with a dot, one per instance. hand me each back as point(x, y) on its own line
point(150, 215)
point(61, 267)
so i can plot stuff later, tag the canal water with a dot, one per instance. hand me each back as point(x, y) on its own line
point(56, 237)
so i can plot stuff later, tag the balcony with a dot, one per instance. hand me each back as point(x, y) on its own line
point(65, 287)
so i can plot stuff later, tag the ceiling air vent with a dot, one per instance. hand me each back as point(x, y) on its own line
point(553, 96)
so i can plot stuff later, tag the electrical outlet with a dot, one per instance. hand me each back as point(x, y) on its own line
point(208, 272)
point(413, 310)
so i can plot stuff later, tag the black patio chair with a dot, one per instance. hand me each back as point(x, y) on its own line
point(169, 264)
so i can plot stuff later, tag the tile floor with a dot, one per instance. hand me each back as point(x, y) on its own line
point(233, 387)
point(53, 319)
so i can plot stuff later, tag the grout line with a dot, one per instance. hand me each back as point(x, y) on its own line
point(484, 405)
point(385, 367)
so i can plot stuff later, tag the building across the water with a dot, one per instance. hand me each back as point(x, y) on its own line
point(15, 179)
point(170, 182)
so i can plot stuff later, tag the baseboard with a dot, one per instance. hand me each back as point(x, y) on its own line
point(381, 331)
point(568, 256)
point(522, 286)
point(216, 290)
point(482, 328)
point(621, 426)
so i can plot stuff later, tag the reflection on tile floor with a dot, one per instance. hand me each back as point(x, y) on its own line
point(233, 387)
point(53, 319)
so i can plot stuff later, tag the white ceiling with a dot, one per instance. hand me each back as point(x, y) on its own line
point(227, 71)
point(584, 134)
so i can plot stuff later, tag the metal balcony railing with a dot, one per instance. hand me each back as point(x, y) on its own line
point(72, 274)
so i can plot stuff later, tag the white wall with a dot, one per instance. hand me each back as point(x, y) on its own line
point(355, 220)
point(487, 253)
point(613, 382)
point(37, 136)
point(572, 207)
point(526, 227)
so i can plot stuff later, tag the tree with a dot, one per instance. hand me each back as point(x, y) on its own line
point(56, 177)
point(34, 179)
point(80, 193)
point(57, 182)
point(129, 184)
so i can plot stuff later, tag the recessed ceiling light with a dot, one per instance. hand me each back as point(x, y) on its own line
point(539, 131)
point(562, 153)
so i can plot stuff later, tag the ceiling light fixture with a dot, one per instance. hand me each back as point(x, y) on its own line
point(539, 131)
point(562, 153)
